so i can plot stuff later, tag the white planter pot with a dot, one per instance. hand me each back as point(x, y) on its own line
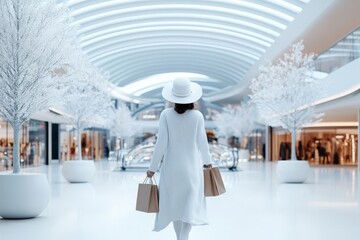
point(292, 171)
point(78, 171)
point(23, 195)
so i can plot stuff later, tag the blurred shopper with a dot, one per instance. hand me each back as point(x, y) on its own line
point(183, 146)
point(328, 151)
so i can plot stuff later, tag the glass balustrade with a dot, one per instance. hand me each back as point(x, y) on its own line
point(342, 53)
point(140, 156)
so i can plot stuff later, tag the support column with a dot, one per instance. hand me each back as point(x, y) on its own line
point(48, 144)
point(268, 143)
point(55, 142)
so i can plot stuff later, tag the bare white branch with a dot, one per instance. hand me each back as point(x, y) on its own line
point(285, 91)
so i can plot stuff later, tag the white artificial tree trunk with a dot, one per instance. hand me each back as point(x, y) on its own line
point(293, 146)
point(15, 123)
point(16, 148)
point(78, 131)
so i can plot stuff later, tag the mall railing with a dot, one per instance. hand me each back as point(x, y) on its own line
point(140, 156)
point(342, 53)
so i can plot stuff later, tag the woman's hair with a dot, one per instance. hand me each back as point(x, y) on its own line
point(181, 108)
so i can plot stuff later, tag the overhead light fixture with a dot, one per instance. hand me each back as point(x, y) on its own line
point(55, 111)
point(58, 112)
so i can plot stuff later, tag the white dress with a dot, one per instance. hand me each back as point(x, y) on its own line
point(183, 146)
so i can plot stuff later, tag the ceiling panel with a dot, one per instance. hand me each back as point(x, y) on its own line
point(221, 39)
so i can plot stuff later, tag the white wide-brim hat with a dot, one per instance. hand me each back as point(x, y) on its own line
point(182, 91)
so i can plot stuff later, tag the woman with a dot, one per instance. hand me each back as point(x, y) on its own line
point(183, 146)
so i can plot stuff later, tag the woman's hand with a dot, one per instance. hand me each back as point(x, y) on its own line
point(150, 174)
point(207, 166)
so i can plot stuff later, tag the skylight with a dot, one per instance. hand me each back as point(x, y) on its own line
point(137, 41)
point(159, 80)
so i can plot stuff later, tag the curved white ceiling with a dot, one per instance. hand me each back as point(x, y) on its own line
point(222, 39)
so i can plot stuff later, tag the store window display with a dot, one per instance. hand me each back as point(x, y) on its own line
point(323, 146)
point(32, 144)
point(93, 143)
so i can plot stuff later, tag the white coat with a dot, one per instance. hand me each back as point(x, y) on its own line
point(183, 146)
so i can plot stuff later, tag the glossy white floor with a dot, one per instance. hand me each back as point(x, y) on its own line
point(255, 207)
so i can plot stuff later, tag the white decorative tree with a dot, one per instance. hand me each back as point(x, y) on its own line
point(285, 92)
point(35, 41)
point(225, 121)
point(87, 101)
point(122, 125)
point(236, 120)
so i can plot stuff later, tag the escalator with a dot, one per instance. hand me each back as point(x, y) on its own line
point(140, 156)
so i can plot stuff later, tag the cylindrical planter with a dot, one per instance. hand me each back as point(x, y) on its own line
point(293, 171)
point(78, 171)
point(23, 195)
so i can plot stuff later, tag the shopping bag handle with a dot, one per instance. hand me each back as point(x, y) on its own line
point(150, 180)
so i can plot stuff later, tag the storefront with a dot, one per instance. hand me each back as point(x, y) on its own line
point(321, 146)
point(94, 143)
point(33, 138)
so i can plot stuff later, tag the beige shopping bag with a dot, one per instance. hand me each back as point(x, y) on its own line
point(213, 183)
point(147, 197)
